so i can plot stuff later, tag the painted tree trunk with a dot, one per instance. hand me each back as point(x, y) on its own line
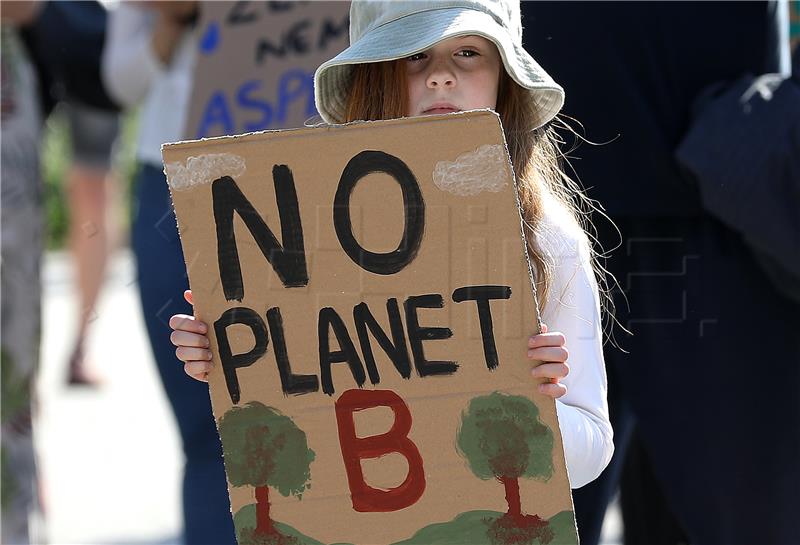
point(512, 496)
point(263, 522)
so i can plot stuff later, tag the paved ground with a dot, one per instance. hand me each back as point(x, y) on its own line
point(110, 458)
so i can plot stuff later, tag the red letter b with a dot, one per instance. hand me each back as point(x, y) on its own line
point(354, 449)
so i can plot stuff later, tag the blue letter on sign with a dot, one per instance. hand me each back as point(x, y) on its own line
point(216, 113)
point(248, 101)
point(293, 86)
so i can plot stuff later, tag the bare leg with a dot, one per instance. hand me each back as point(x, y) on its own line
point(89, 236)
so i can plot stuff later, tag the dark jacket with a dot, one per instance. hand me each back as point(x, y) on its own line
point(743, 151)
point(65, 43)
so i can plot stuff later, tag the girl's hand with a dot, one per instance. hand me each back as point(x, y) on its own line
point(550, 350)
point(189, 336)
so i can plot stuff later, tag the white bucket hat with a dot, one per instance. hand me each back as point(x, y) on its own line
point(385, 30)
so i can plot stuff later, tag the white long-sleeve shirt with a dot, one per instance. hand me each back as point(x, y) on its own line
point(573, 308)
point(135, 76)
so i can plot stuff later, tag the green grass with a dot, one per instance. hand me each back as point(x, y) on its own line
point(55, 157)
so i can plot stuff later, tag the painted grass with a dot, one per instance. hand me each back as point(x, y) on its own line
point(470, 528)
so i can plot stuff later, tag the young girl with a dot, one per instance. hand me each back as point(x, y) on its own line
point(422, 58)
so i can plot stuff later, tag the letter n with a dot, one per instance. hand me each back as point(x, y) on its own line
point(288, 261)
point(367, 499)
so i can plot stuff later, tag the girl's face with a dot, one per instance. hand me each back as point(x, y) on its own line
point(456, 74)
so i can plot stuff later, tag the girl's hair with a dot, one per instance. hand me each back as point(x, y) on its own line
point(379, 91)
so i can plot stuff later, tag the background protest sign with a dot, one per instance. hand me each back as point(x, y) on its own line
point(369, 311)
point(256, 61)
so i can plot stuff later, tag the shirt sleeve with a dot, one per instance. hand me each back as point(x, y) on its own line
point(129, 64)
point(573, 308)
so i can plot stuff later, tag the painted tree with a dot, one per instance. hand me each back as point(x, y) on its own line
point(502, 437)
point(264, 448)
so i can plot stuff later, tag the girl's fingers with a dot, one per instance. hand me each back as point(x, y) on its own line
point(198, 369)
point(547, 339)
point(184, 338)
point(187, 354)
point(550, 371)
point(549, 348)
point(188, 296)
point(553, 389)
point(184, 322)
point(549, 354)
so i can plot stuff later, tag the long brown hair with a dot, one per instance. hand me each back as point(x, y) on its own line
point(380, 91)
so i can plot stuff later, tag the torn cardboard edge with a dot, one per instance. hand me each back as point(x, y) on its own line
point(353, 124)
point(202, 169)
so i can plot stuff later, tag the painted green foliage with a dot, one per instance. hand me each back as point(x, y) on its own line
point(264, 448)
point(502, 436)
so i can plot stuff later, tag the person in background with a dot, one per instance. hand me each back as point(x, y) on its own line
point(714, 457)
point(50, 53)
point(65, 41)
point(20, 259)
point(90, 182)
point(147, 63)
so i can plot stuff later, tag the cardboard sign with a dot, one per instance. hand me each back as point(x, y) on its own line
point(369, 303)
point(256, 62)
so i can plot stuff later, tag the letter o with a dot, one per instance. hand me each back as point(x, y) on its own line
point(359, 166)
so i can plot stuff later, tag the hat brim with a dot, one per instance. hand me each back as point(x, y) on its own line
point(420, 31)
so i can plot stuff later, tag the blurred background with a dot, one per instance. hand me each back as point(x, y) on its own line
point(110, 457)
point(111, 460)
